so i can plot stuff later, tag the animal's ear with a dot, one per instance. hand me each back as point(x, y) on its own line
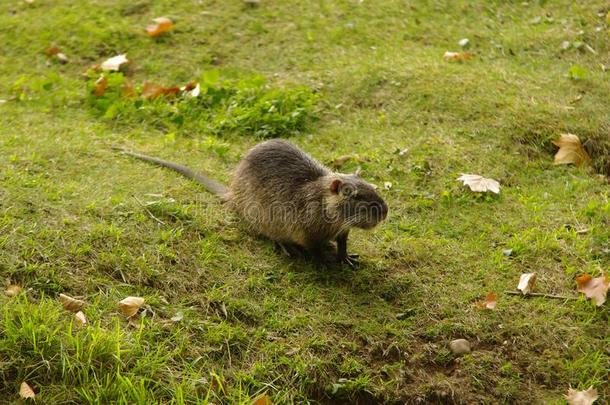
point(358, 172)
point(335, 185)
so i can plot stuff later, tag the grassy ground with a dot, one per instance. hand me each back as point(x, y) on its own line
point(254, 321)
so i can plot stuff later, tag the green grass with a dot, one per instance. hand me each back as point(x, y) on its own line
point(254, 321)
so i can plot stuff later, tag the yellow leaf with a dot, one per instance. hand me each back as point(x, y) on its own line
point(130, 305)
point(262, 399)
point(490, 301)
point(25, 391)
point(12, 290)
point(594, 288)
point(586, 397)
point(71, 304)
point(570, 151)
point(162, 24)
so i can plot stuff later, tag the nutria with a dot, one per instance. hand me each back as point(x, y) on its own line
point(284, 194)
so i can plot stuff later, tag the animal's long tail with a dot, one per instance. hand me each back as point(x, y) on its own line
point(211, 185)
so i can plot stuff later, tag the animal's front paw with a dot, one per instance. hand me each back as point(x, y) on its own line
point(352, 260)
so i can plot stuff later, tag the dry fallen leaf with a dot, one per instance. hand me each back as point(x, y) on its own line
point(526, 283)
point(490, 302)
point(594, 288)
point(100, 86)
point(152, 90)
point(71, 304)
point(586, 397)
point(457, 56)
point(130, 305)
point(195, 91)
point(387, 185)
point(81, 319)
point(115, 62)
point(25, 391)
point(12, 290)
point(162, 24)
point(62, 57)
point(479, 183)
point(570, 151)
point(262, 399)
point(52, 50)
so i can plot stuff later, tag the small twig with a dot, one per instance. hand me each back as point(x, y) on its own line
point(148, 211)
point(559, 297)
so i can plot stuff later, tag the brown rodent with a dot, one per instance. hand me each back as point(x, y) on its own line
point(284, 194)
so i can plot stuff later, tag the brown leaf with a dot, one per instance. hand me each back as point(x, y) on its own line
point(526, 283)
point(490, 301)
point(594, 288)
point(586, 397)
point(457, 56)
point(100, 86)
point(25, 391)
point(52, 50)
point(262, 399)
point(162, 24)
point(12, 290)
point(152, 90)
point(130, 305)
point(71, 304)
point(570, 151)
point(80, 318)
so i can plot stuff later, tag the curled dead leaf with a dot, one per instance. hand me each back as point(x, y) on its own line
point(262, 399)
point(570, 151)
point(490, 301)
point(80, 318)
point(100, 86)
point(12, 290)
point(594, 288)
point(480, 184)
point(130, 305)
point(115, 62)
point(25, 391)
point(526, 283)
point(162, 24)
point(586, 397)
point(153, 90)
point(457, 56)
point(71, 304)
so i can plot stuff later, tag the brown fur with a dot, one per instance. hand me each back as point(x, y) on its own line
point(284, 194)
